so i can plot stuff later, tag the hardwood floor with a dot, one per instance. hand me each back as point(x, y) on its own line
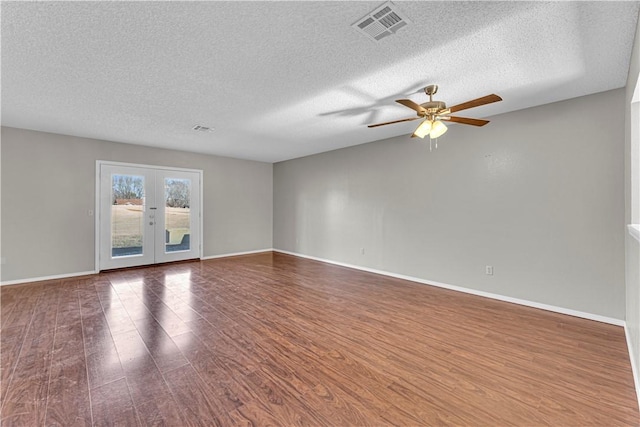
point(271, 339)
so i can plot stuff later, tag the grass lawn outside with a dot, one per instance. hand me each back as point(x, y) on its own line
point(127, 224)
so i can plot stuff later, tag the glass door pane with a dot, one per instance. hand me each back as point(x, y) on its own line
point(127, 215)
point(177, 214)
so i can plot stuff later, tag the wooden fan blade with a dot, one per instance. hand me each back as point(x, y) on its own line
point(465, 120)
point(409, 103)
point(476, 103)
point(395, 121)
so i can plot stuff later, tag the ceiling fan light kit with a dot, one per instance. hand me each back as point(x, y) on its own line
point(428, 127)
point(423, 130)
point(434, 112)
point(438, 129)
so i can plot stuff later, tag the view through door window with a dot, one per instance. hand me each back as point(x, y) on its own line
point(177, 195)
point(127, 215)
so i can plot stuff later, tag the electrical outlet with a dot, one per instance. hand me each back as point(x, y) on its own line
point(361, 251)
point(488, 270)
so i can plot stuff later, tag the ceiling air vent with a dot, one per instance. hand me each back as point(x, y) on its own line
point(382, 22)
point(202, 128)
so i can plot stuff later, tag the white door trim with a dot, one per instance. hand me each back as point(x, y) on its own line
point(96, 211)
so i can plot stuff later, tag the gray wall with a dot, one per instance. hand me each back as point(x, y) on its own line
point(538, 194)
point(48, 185)
point(631, 215)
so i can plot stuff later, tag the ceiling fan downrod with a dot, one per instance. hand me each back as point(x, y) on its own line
point(431, 90)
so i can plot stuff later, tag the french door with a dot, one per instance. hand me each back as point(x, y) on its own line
point(147, 215)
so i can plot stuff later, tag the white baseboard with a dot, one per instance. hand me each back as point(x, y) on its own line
point(237, 253)
point(42, 278)
point(634, 368)
point(88, 273)
point(555, 309)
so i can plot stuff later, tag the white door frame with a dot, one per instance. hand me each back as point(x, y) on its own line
point(97, 212)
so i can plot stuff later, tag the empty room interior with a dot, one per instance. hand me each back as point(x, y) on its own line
point(337, 213)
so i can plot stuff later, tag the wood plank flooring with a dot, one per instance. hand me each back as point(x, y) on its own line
point(271, 339)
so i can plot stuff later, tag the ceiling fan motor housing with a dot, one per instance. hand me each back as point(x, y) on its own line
point(433, 107)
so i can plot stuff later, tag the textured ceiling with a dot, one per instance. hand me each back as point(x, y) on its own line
point(279, 80)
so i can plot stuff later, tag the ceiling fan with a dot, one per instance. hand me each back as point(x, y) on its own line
point(434, 112)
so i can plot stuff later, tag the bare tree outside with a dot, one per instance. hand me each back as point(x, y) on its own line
point(177, 193)
point(127, 187)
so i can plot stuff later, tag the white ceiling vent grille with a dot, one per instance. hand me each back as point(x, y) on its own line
point(382, 22)
point(202, 128)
